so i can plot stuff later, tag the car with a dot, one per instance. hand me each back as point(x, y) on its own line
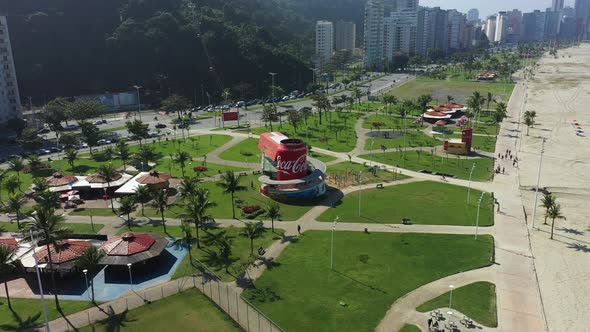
point(81, 146)
point(70, 127)
point(182, 125)
point(103, 142)
point(153, 135)
point(55, 149)
point(99, 122)
point(43, 131)
point(42, 152)
point(160, 125)
point(14, 156)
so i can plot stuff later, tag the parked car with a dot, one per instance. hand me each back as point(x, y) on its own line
point(43, 131)
point(160, 125)
point(99, 122)
point(103, 142)
point(70, 127)
point(42, 152)
point(81, 146)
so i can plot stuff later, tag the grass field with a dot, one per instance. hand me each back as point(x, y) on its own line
point(83, 166)
point(76, 228)
point(240, 249)
point(321, 157)
point(390, 122)
point(26, 180)
point(416, 161)
point(336, 133)
point(29, 312)
point(427, 203)
point(251, 196)
point(460, 90)
point(350, 171)
point(477, 301)
point(170, 167)
point(371, 271)
point(246, 151)
point(186, 311)
point(95, 212)
point(413, 138)
point(196, 146)
point(410, 328)
point(485, 143)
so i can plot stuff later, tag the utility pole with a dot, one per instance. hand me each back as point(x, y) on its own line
point(538, 180)
point(332, 244)
point(469, 186)
point(137, 87)
point(477, 219)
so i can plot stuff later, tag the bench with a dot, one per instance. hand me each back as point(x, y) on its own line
point(406, 221)
point(379, 186)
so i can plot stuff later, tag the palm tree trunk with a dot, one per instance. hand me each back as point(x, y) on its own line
point(197, 230)
point(52, 274)
point(545, 222)
point(142, 209)
point(18, 218)
point(233, 211)
point(7, 295)
point(92, 290)
point(163, 221)
point(272, 224)
point(552, 225)
point(129, 220)
point(252, 246)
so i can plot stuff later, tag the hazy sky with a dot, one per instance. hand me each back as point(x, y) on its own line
point(487, 7)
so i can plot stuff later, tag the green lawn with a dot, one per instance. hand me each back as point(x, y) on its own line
point(427, 203)
point(349, 173)
point(95, 212)
point(477, 301)
point(336, 133)
point(246, 151)
point(410, 328)
point(83, 166)
point(196, 146)
point(107, 130)
point(479, 128)
point(413, 138)
point(170, 167)
point(416, 161)
point(321, 156)
point(240, 249)
point(26, 180)
point(485, 143)
point(251, 196)
point(390, 121)
point(29, 312)
point(186, 311)
point(371, 271)
point(460, 90)
point(366, 106)
point(76, 228)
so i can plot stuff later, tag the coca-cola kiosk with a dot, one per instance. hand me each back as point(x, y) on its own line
point(287, 171)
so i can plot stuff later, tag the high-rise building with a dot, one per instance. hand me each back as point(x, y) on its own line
point(552, 21)
point(491, 28)
point(568, 28)
point(400, 32)
point(432, 32)
point(473, 15)
point(10, 106)
point(401, 5)
point(582, 8)
point(324, 42)
point(534, 26)
point(557, 5)
point(501, 27)
point(345, 36)
point(373, 34)
point(456, 26)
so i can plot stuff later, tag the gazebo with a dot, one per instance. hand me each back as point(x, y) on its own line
point(131, 248)
point(434, 116)
point(10, 243)
point(64, 256)
point(59, 182)
point(153, 180)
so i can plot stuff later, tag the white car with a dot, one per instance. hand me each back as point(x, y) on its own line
point(103, 142)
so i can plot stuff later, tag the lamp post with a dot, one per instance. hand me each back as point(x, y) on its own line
point(451, 298)
point(360, 182)
point(538, 180)
point(477, 219)
point(137, 87)
point(371, 156)
point(469, 185)
point(130, 277)
point(86, 279)
point(40, 286)
point(332, 244)
point(273, 85)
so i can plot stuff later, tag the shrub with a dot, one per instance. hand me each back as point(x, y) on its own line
point(252, 211)
point(250, 208)
point(378, 124)
point(200, 169)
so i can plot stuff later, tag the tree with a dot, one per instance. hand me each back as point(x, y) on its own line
point(529, 122)
point(14, 204)
point(273, 212)
point(90, 133)
point(47, 200)
point(7, 265)
point(357, 94)
point(231, 185)
point(196, 210)
point(181, 158)
point(108, 153)
point(12, 183)
point(252, 231)
point(530, 115)
point(160, 202)
point(294, 119)
point(3, 175)
point(490, 99)
point(145, 154)
point(34, 163)
point(223, 243)
point(16, 165)
point(82, 109)
point(547, 202)
point(108, 172)
point(71, 156)
point(127, 205)
point(475, 102)
point(122, 151)
point(188, 187)
point(40, 185)
point(321, 103)
point(30, 140)
point(554, 212)
point(306, 112)
point(423, 101)
point(142, 195)
point(389, 100)
point(56, 112)
point(90, 260)
point(269, 115)
point(175, 103)
point(186, 239)
point(138, 129)
point(47, 229)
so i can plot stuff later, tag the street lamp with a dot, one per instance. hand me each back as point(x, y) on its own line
point(477, 219)
point(451, 299)
point(371, 156)
point(86, 279)
point(40, 285)
point(130, 278)
point(360, 182)
point(273, 85)
point(469, 186)
point(137, 87)
point(538, 180)
point(332, 244)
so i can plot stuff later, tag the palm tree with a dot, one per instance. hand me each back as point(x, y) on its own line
point(90, 260)
point(6, 265)
point(14, 204)
point(273, 211)
point(196, 207)
point(127, 205)
point(554, 212)
point(12, 183)
point(160, 202)
point(47, 227)
point(490, 99)
point(39, 185)
point(108, 153)
point(108, 172)
point(181, 158)
point(3, 175)
point(16, 165)
point(71, 156)
point(145, 154)
point(499, 115)
point(529, 122)
point(230, 185)
point(34, 162)
point(47, 200)
point(547, 202)
point(142, 195)
point(122, 150)
point(357, 94)
point(188, 187)
point(186, 239)
point(252, 231)
point(530, 115)
point(475, 102)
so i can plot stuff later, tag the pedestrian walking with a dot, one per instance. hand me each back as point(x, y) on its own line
point(298, 229)
point(503, 169)
point(429, 322)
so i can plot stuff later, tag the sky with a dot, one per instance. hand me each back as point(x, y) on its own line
point(488, 7)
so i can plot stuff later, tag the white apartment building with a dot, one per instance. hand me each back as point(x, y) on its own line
point(456, 26)
point(501, 27)
point(324, 42)
point(345, 36)
point(401, 33)
point(373, 35)
point(10, 106)
point(491, 28)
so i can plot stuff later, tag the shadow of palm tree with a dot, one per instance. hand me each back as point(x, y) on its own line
point(579, 247)
point(21, 324)
point(115, 322)
point(571, 231)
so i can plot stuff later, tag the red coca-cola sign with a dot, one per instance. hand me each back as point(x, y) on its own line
point(291, 159)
